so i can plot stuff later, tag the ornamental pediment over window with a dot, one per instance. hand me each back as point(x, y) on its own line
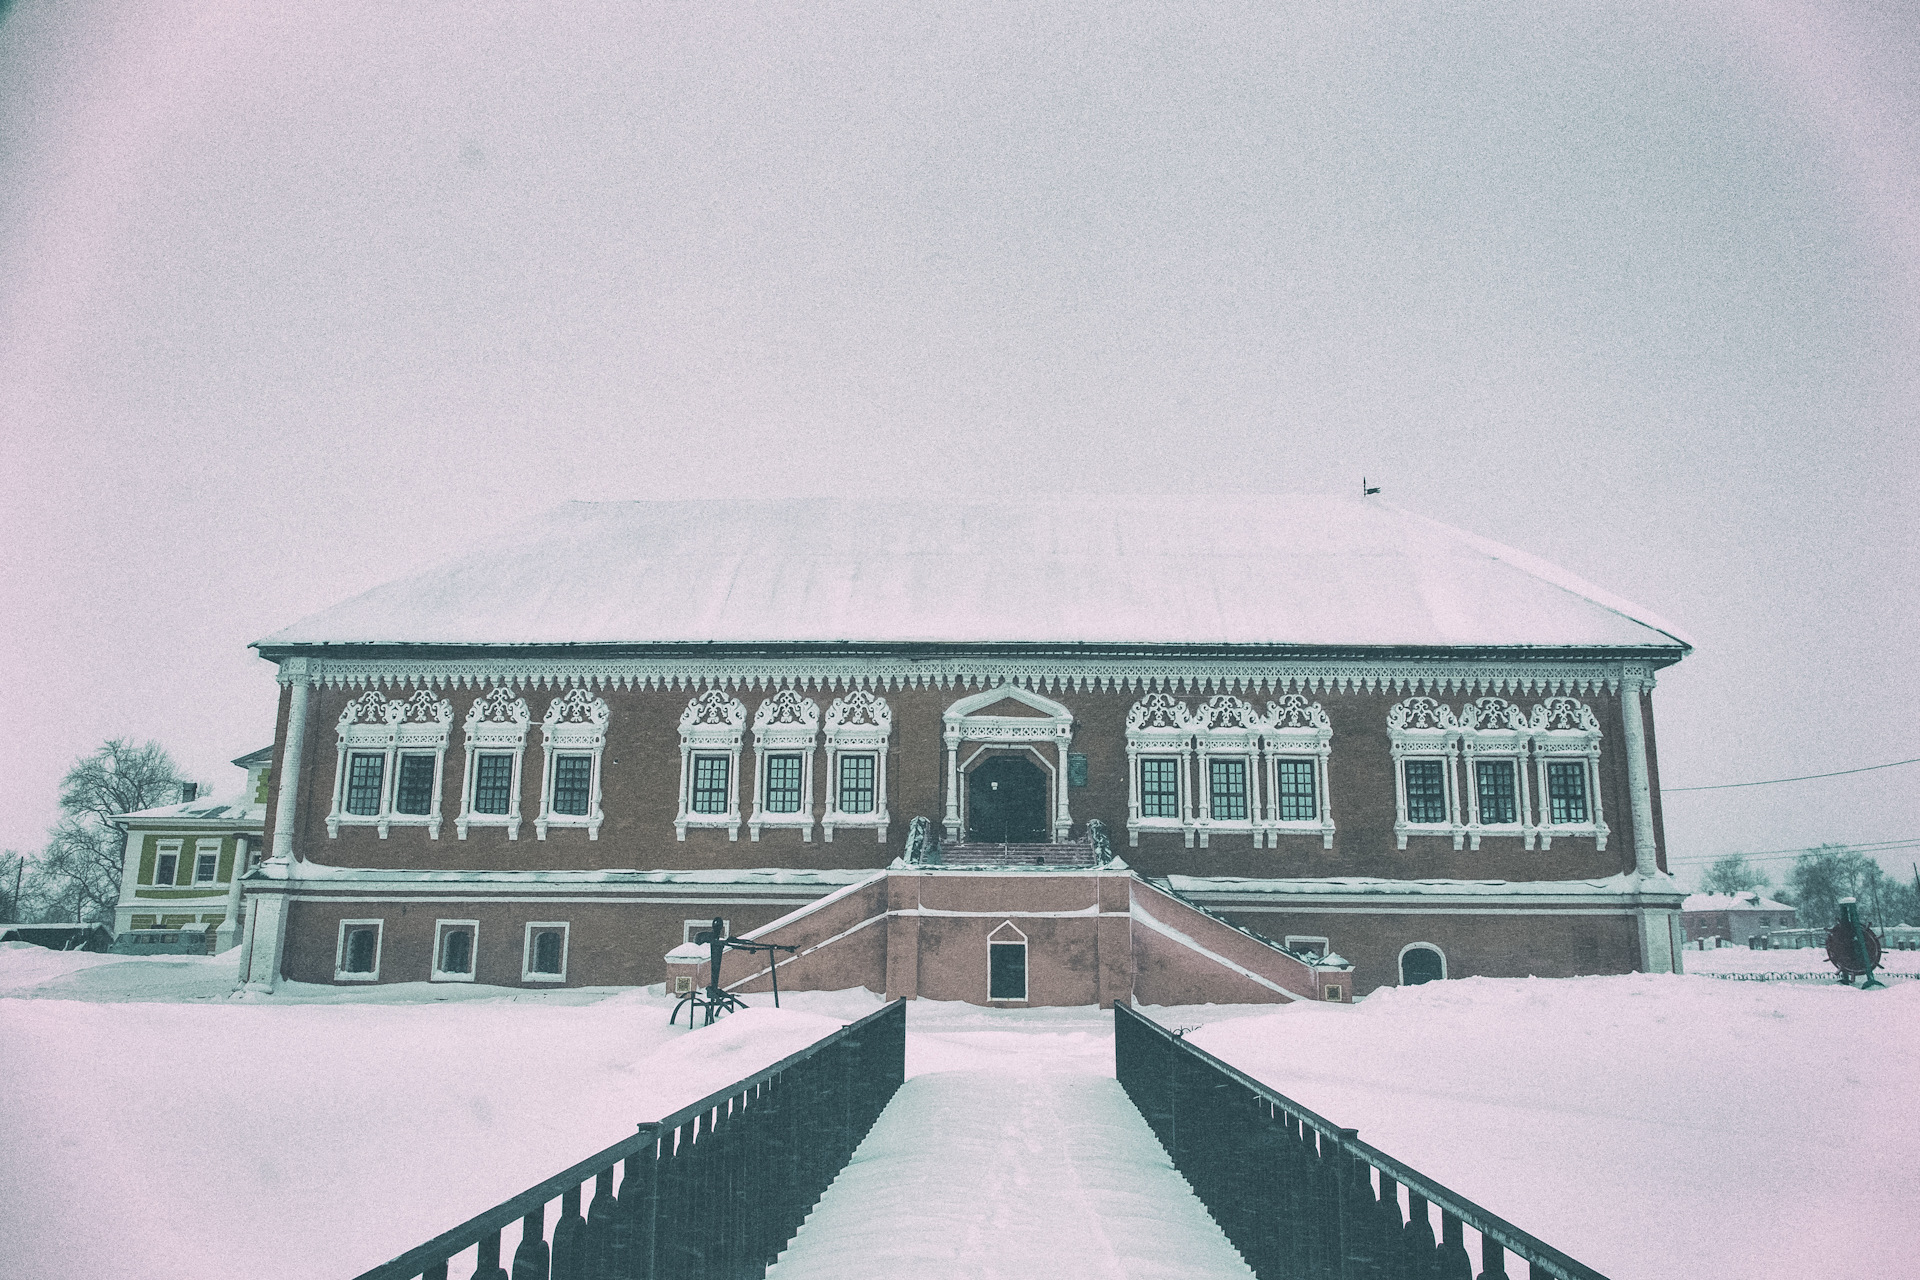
point(714, 716)
point(498, 717)
point(577, 718)
point(787, 719)
point(861, 717)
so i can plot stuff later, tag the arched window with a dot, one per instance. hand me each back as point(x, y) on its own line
point(453, 950)
point(392, 753)
point(785, 729)
point(496, 733)
point(574, 738)
point(546, 952)
point(711, 729)
point(858, 728)
point(1421, 962)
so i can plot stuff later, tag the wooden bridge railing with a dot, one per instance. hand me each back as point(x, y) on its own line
point(1300, 1197)
point(712, 1192)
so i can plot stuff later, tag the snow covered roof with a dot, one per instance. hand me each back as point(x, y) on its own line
point(1294, 571)
point(1731, 902)
point(234, 808)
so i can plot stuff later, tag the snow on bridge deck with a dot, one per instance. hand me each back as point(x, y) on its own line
point(1002, 1173)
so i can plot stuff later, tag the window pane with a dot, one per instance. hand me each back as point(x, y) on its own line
point(571, 778)
point(1494, 780)
point(783, 784)
point(1567, 790)
point(164, 867)
point(1159, 788)
point(205, 866)
point(1007, 971)
point(416, 784)
point(1229, 779)
point(1426, 791)
point(856, 784)
point(493, 783)
point(456, 951)
point(710, 783)
point(1297, 801)
point(548, 945)
point(364, 774)
point(361, 942)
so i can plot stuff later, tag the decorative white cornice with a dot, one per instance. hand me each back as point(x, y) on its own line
point(1195, 676)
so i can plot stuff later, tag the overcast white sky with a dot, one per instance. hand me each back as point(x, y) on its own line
point(296, 298)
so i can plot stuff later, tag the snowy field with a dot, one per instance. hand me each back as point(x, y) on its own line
point(1650, 1126)
point(1803, 964)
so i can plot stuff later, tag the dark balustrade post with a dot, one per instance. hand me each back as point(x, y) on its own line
point(1451, 1261)
point(1418, 1236)
point(488, 1267)
point(530, 1259)
point(640, 1196)
point(438, 1271)
point(569, 1251)
point(1493, 1259)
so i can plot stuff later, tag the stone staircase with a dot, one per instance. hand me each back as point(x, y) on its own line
point(1077, 856)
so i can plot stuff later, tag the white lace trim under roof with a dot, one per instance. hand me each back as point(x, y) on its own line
point(1282, 570)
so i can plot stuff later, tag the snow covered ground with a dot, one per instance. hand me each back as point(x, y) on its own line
point(1800, 964)
point(1650, 1126)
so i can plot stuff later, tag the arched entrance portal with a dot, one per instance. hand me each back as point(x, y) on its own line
point(1007, 802)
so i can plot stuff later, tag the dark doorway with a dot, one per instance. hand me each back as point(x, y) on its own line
point(1007, 802)
point(1421, 964)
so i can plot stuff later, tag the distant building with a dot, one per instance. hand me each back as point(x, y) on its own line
point(1739, 918)
point(1307, 726)
point(59, 937)
point(182, 858)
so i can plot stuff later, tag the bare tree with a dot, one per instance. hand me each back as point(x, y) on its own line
point(1731, 874)
point(79, 872)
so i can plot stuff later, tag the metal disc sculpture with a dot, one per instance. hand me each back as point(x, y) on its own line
point(1853, 948)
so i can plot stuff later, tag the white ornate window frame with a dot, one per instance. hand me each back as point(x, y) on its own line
point(1226, 727)
point(713, 724)
point(788, 723)
point(575, 724)
point(858, 724)
point(392, 728)
point(1296, 728)
point(1494, 729)
point(1423, 728)
point(497, 722)
point(1053, 726)
point(340, 972)
point(1160, 725)
point(1565, 729)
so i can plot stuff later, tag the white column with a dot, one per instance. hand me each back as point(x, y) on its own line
point(229, 930)
point(1639, 785)
point(1063, 815)
point(953, 787)
point(294, 672)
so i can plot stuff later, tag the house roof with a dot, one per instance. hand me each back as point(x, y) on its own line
point(234, 809)
point(256, 759)
point(1732, 902)
point(1265, 571)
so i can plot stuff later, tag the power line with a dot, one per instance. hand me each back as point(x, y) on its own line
point(1872, 848)
point(1805, 777)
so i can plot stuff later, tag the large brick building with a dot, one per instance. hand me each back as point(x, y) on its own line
point(1308, 726)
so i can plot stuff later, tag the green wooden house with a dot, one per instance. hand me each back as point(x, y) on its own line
point(183, 859)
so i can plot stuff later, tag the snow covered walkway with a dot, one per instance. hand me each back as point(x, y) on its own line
point(973, 1175)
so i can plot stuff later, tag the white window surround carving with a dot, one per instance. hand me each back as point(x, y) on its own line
point(1422, 728)
point(1226, 727)
point(1494, 729)
point(497, 722)
point(575, 724)
point(1160, 725)
point(440, 929)
point(1054, 725)
point(788, 723)
point(374, 724)
point(1296, 728)
point(535, 928)
point(1564, 729)
point(713, 724)
point(1399, 971)
point(858, 724)
point(340, 971)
